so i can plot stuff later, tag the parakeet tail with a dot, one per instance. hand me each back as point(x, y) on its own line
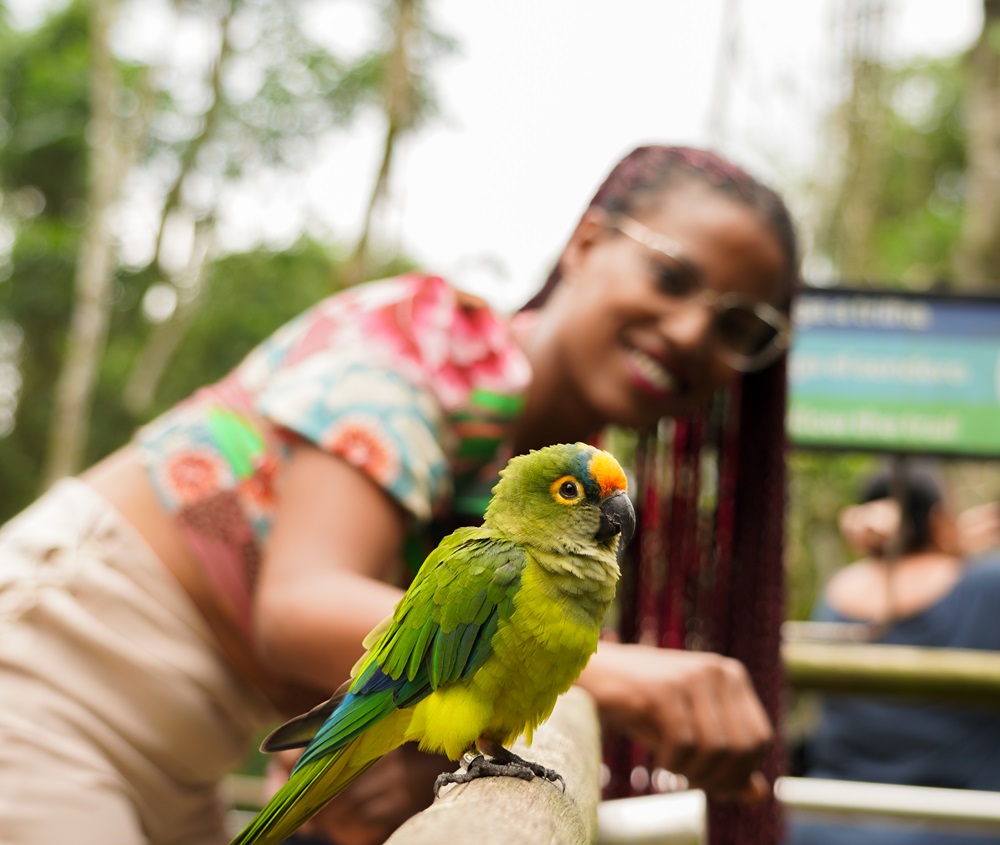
point(304, 794)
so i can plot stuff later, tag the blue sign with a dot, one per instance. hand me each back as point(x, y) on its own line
point(891, 371)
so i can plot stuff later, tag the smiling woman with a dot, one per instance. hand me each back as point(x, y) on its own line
point(639, 340)
point(276, 514)
point(678, 260)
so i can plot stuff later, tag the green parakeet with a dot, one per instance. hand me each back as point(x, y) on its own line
point(499, 621)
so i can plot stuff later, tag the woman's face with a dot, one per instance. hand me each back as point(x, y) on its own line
point(636, 343)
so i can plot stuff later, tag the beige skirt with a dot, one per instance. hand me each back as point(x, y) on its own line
point(118, 715)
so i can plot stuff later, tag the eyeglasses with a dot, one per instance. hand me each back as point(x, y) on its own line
point(752, 334)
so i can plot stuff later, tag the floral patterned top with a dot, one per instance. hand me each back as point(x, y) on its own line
point(414, 383)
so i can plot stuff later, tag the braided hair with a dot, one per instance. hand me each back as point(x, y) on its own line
point(707, 569)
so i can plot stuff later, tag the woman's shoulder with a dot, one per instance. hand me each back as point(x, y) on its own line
point(457, 341)
point(855, 592)
point(423, 318)
point(915, 584)
point(419, 326)
point(408, 302)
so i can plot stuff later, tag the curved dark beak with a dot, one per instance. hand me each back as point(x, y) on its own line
point(617, 517)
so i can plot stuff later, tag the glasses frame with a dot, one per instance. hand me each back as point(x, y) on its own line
point(718, 302)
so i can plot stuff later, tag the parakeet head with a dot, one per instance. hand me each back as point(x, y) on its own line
point(569, 498)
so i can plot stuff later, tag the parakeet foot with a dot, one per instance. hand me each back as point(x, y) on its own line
point(503, 764)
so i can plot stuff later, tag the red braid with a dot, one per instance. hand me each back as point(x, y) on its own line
point(750, 599)
point(707, 568)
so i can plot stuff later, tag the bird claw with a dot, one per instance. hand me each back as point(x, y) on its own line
point(505, 764)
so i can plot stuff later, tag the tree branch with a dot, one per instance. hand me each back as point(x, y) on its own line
point(95, 266)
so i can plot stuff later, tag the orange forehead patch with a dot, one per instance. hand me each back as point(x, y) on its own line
point(607, 473)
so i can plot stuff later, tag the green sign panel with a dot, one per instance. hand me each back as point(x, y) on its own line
point(884, 371)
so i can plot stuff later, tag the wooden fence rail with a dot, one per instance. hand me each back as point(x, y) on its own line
point(495, 811)
point(945, 674)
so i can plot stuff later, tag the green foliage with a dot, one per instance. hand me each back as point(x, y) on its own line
point(247, 297)
point(913, 193)
point(921, 202)
point(44, 109)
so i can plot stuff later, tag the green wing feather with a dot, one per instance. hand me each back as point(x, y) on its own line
point(303, 795)
point(441, 632)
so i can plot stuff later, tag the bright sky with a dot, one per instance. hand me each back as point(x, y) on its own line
point(547, 94)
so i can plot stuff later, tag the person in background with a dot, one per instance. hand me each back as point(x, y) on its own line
point(914, 587)
point(220, 571)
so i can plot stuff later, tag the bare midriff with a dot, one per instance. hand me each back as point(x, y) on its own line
point(123, 481)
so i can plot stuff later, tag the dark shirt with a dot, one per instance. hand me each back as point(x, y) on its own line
point(908, 741)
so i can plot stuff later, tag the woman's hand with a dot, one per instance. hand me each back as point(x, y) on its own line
point(696, 711)
point(370, 809)
point(871, 527)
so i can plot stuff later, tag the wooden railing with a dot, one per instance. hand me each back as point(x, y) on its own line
point(480, 813)
point(947, 674)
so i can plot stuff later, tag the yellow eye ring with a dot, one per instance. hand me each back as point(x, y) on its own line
point(566, 490)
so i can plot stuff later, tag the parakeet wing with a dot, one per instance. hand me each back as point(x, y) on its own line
point(441, 631)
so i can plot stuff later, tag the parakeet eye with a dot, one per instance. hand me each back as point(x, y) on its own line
point(567, 490)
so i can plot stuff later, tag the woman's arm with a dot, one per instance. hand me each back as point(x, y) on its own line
point(335, 542)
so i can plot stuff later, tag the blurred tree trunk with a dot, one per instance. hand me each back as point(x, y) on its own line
point(400, 111)
point(164, 338)
point(849, 228)
point(977, 259)
point(95, 267)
